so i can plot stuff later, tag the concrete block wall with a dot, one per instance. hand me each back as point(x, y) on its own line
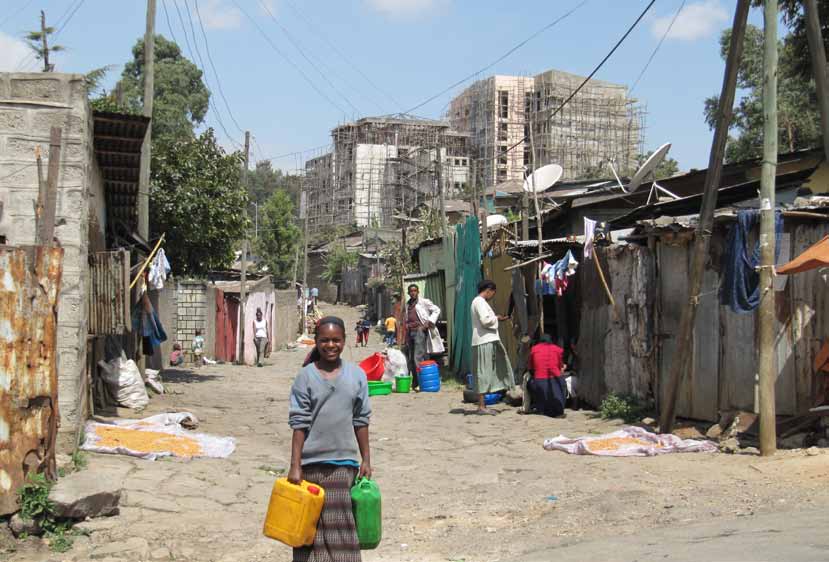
point(30, 104)
point(194, 312)
point(285, 318)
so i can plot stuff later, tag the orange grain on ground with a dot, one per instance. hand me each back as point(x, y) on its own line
point(147, 441)
point(613, 443)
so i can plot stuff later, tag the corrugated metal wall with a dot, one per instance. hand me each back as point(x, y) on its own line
point(30, 280)
point(109, 293)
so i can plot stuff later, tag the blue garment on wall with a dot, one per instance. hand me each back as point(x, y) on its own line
point(148, 325)
point(740, 288)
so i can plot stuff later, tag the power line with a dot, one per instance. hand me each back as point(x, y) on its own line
point(583, 83)
point(499, 59)
point(658, 45)
point(215, 72)
point(289, 61)
point(13, 15)
point(338, 52)
point(300, 152)
point(65, 23)
point(299, 48)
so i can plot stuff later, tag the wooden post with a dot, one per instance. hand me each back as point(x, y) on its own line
point(146, 148)
point(44, 41)
point(538, 226)
point(818, 52)
point(46, 228)
point(41, 196)
point(305, 262)
point(525, 216)
point(702, 237)
point(439, 179)
point(766, 317)
point(243, 296)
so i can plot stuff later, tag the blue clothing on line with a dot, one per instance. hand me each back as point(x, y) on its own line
point(740, 288)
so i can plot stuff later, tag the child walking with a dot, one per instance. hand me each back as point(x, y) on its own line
point(329, 413)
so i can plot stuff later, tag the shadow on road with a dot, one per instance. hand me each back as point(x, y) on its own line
point(187, 376)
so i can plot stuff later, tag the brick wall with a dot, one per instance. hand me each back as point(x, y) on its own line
point(30, 104)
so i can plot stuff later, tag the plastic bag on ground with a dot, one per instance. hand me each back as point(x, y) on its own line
point(395, 363)
point(629, 442)
point(124, 379)
point(162, 435)
point(154, 380)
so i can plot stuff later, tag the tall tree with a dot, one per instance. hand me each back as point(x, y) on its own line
point(265, 180)
point(197, 199)
point(278, 234)
point(797, 111)
point(181, 97)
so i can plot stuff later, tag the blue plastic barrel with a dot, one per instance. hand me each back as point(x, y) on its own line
point(428, 377)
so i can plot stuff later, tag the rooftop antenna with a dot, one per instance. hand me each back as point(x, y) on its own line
point(645, 171)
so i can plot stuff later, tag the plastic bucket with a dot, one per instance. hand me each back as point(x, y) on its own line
point(402, 384)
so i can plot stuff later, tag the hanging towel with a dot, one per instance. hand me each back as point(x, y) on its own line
point(159, 270)
point(564, 268)
point(740, 288)
point(589, 228)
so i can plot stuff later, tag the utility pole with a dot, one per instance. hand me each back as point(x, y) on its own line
point(766, 317)
point(817, 50)
point(44, 42)
point(146, 148)
point(538, 224)
point(525, 218)
point(305, 292)
point(473, 185)
point(439, 178)
point(243, 296)
point(702, 236)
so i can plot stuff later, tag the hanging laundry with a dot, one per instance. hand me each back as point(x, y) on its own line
point(159, 270)
point(145, 322)
point(589, 229)
point(564, 269)
point(740, 288)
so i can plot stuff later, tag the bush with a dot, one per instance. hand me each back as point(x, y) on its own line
point(36, 506)
point(621, 406)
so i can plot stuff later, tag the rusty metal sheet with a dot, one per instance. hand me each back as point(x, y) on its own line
point(108, 302)
point(29, 286)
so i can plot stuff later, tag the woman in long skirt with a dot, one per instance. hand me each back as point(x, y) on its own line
point(491, 367)
point(329, 413)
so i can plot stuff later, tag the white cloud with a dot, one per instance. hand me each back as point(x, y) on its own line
point(13, 53)
point(401, 8)
point(696, 21)
point(216, 15)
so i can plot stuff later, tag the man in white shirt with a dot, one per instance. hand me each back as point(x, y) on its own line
point(491, 366)
point(422, 336)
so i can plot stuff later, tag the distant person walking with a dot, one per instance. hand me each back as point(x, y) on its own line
point(422, 336)
point(391, 330)
point(491, 367)
point(260, 336)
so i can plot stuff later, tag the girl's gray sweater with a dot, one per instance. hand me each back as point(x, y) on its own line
point(329, 411)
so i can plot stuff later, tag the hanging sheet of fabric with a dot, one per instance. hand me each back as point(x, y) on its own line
point(740, 288)
point(145, 322)
point(555, 277)
point(159, 270)
point(467, 277)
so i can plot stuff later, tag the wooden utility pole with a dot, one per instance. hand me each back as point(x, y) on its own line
point(702, 236)
point(46, 226)
point(305, 292)
point(243, 296)
point(538, 226)
point(146, 148)
point(818, 52)
point(45, 43)
point(525, 216)
point(766, 317)
point(439, 178)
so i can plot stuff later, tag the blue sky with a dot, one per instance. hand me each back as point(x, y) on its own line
point(404, 50)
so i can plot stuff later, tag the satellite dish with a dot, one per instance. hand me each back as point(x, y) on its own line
point(543, 178)
point(496, 220)
point(648, 167)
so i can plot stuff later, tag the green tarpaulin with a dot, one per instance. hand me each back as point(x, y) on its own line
point(467, 277)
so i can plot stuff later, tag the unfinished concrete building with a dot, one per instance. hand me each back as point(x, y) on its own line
point(600, 124)
point(383, 166)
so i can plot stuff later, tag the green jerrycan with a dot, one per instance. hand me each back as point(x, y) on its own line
point(365, 501)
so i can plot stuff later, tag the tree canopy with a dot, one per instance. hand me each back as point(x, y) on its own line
point(196, 197)
point(181, 98)
point(263, 181)
point(278, 235)
point(797, 112)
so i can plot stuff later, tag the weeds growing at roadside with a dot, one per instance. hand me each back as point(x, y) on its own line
point(36, 506)
point(621, 406)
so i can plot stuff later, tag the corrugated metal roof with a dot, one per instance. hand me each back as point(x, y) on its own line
point(118, 138)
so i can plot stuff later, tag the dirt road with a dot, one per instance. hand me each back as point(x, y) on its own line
point(455, 486)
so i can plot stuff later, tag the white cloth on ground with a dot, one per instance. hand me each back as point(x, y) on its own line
point(629, 441)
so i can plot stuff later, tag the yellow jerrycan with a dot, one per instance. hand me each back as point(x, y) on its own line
point(293, 512)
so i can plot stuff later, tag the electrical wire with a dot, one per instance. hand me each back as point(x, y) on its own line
point(658, 45)
point(299, 152)
point(338, 52)
point(583, 83)
point(499, 59)
point(13, 15)
point(66, 22)
point(215, 72)
point(299, 48)
point(288, 60)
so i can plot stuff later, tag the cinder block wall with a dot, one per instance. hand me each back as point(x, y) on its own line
point(30, 104)
point(191, 298)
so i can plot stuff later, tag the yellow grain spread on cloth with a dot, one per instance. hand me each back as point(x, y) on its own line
point(613, 443)
point(147, 441)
